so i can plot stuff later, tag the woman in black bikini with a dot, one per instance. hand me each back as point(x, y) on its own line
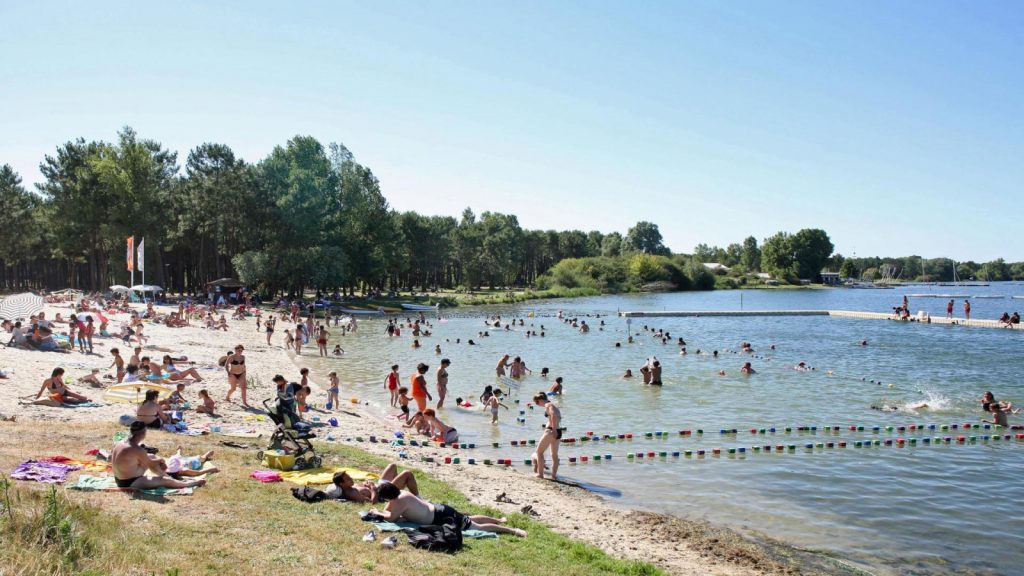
point(236, 375)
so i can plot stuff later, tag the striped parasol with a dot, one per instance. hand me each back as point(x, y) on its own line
point(20, 306)
point(133, 392)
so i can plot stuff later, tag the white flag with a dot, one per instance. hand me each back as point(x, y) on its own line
point(142, 246)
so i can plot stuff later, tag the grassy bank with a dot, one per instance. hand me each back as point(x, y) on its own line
point(451, 298)
point(235, 525)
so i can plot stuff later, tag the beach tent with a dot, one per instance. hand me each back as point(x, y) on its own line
point(119, 288)
point(140, 291)
point(67, 292)
point(20, 306)
point(134, 392)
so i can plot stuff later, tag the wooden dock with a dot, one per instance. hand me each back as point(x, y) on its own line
point(942, 321)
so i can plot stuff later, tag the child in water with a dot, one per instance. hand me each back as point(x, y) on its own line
point(493, 403)
point(332, 392)
point(337, 350)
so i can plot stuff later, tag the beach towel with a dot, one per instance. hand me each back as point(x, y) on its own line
point(84, 465)
point(46, 472)
point(266, 475)
point(82, 405)
point(385, 526)
point(324, 475)
point(241, 433)
point(108, 484)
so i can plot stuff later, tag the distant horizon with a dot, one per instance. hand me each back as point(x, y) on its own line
point(715, 121)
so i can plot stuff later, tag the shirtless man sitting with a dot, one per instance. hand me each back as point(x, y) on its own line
point(345, 488)
point(410, 507)
point(130, 462)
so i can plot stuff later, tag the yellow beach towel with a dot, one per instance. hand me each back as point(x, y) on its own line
point(317, 476)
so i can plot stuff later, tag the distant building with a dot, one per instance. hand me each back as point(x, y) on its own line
point(830, 278)
point(716, 267)
point(763, 275)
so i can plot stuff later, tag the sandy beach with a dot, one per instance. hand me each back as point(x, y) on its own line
point(680, 547)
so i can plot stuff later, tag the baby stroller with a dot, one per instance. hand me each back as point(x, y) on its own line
point(290, 435)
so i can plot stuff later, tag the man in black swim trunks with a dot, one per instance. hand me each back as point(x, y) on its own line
point(130, 461)
point(407, 506)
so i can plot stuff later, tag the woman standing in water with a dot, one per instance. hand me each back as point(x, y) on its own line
point(550, 438)
point(419, 387)
point(442, 382)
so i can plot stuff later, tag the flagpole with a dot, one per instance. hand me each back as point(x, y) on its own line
point(131, 259)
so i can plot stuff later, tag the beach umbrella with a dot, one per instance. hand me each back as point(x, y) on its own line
point(147, 288)
point(134, 392)
point(119, 288)
point(20, 306)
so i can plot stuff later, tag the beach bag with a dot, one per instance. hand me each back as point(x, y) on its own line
point(308, 494)
point(443, 538)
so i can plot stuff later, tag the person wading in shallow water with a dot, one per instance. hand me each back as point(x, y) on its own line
point(550, 438)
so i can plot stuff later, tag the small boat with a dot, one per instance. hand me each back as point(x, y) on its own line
point(420, 307)
point(988, 297)
point(1017, 297)
point(354, 312)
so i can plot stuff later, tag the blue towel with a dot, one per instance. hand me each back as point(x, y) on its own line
point(82, 405)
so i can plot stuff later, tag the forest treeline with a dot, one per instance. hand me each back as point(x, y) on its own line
point(309, 216)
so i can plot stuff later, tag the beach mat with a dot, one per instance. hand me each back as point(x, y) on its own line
point(319, 476)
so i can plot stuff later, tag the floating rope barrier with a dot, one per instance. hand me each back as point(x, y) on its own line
point(743, 451)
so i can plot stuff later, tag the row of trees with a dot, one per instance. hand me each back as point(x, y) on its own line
point(311, 216)
point(306, 216)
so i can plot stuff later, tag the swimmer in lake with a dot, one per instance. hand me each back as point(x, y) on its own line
point(998, 416)
point(987, 399)
point(862, 343)
point(747, 369)
point(628, 374)
point(646, 373)
point(556, 388)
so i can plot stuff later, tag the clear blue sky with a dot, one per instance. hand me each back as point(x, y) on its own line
point(895, 126)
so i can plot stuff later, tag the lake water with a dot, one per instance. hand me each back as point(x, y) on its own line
point(924, 509)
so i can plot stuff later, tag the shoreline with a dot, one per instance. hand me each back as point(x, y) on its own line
point(676, 545)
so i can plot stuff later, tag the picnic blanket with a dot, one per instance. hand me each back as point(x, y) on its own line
point(108, 484)
point(40, 471)
point(325, 475)
point(385, 526)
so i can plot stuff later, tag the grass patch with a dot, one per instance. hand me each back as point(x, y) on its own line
point(236, 525)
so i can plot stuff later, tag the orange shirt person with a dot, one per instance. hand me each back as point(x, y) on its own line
point(419, 387)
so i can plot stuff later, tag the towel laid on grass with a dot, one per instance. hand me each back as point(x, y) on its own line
point(399, 526)
point(108, 484)
point(84, 465)
point(46, 472)
point(316, 476)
